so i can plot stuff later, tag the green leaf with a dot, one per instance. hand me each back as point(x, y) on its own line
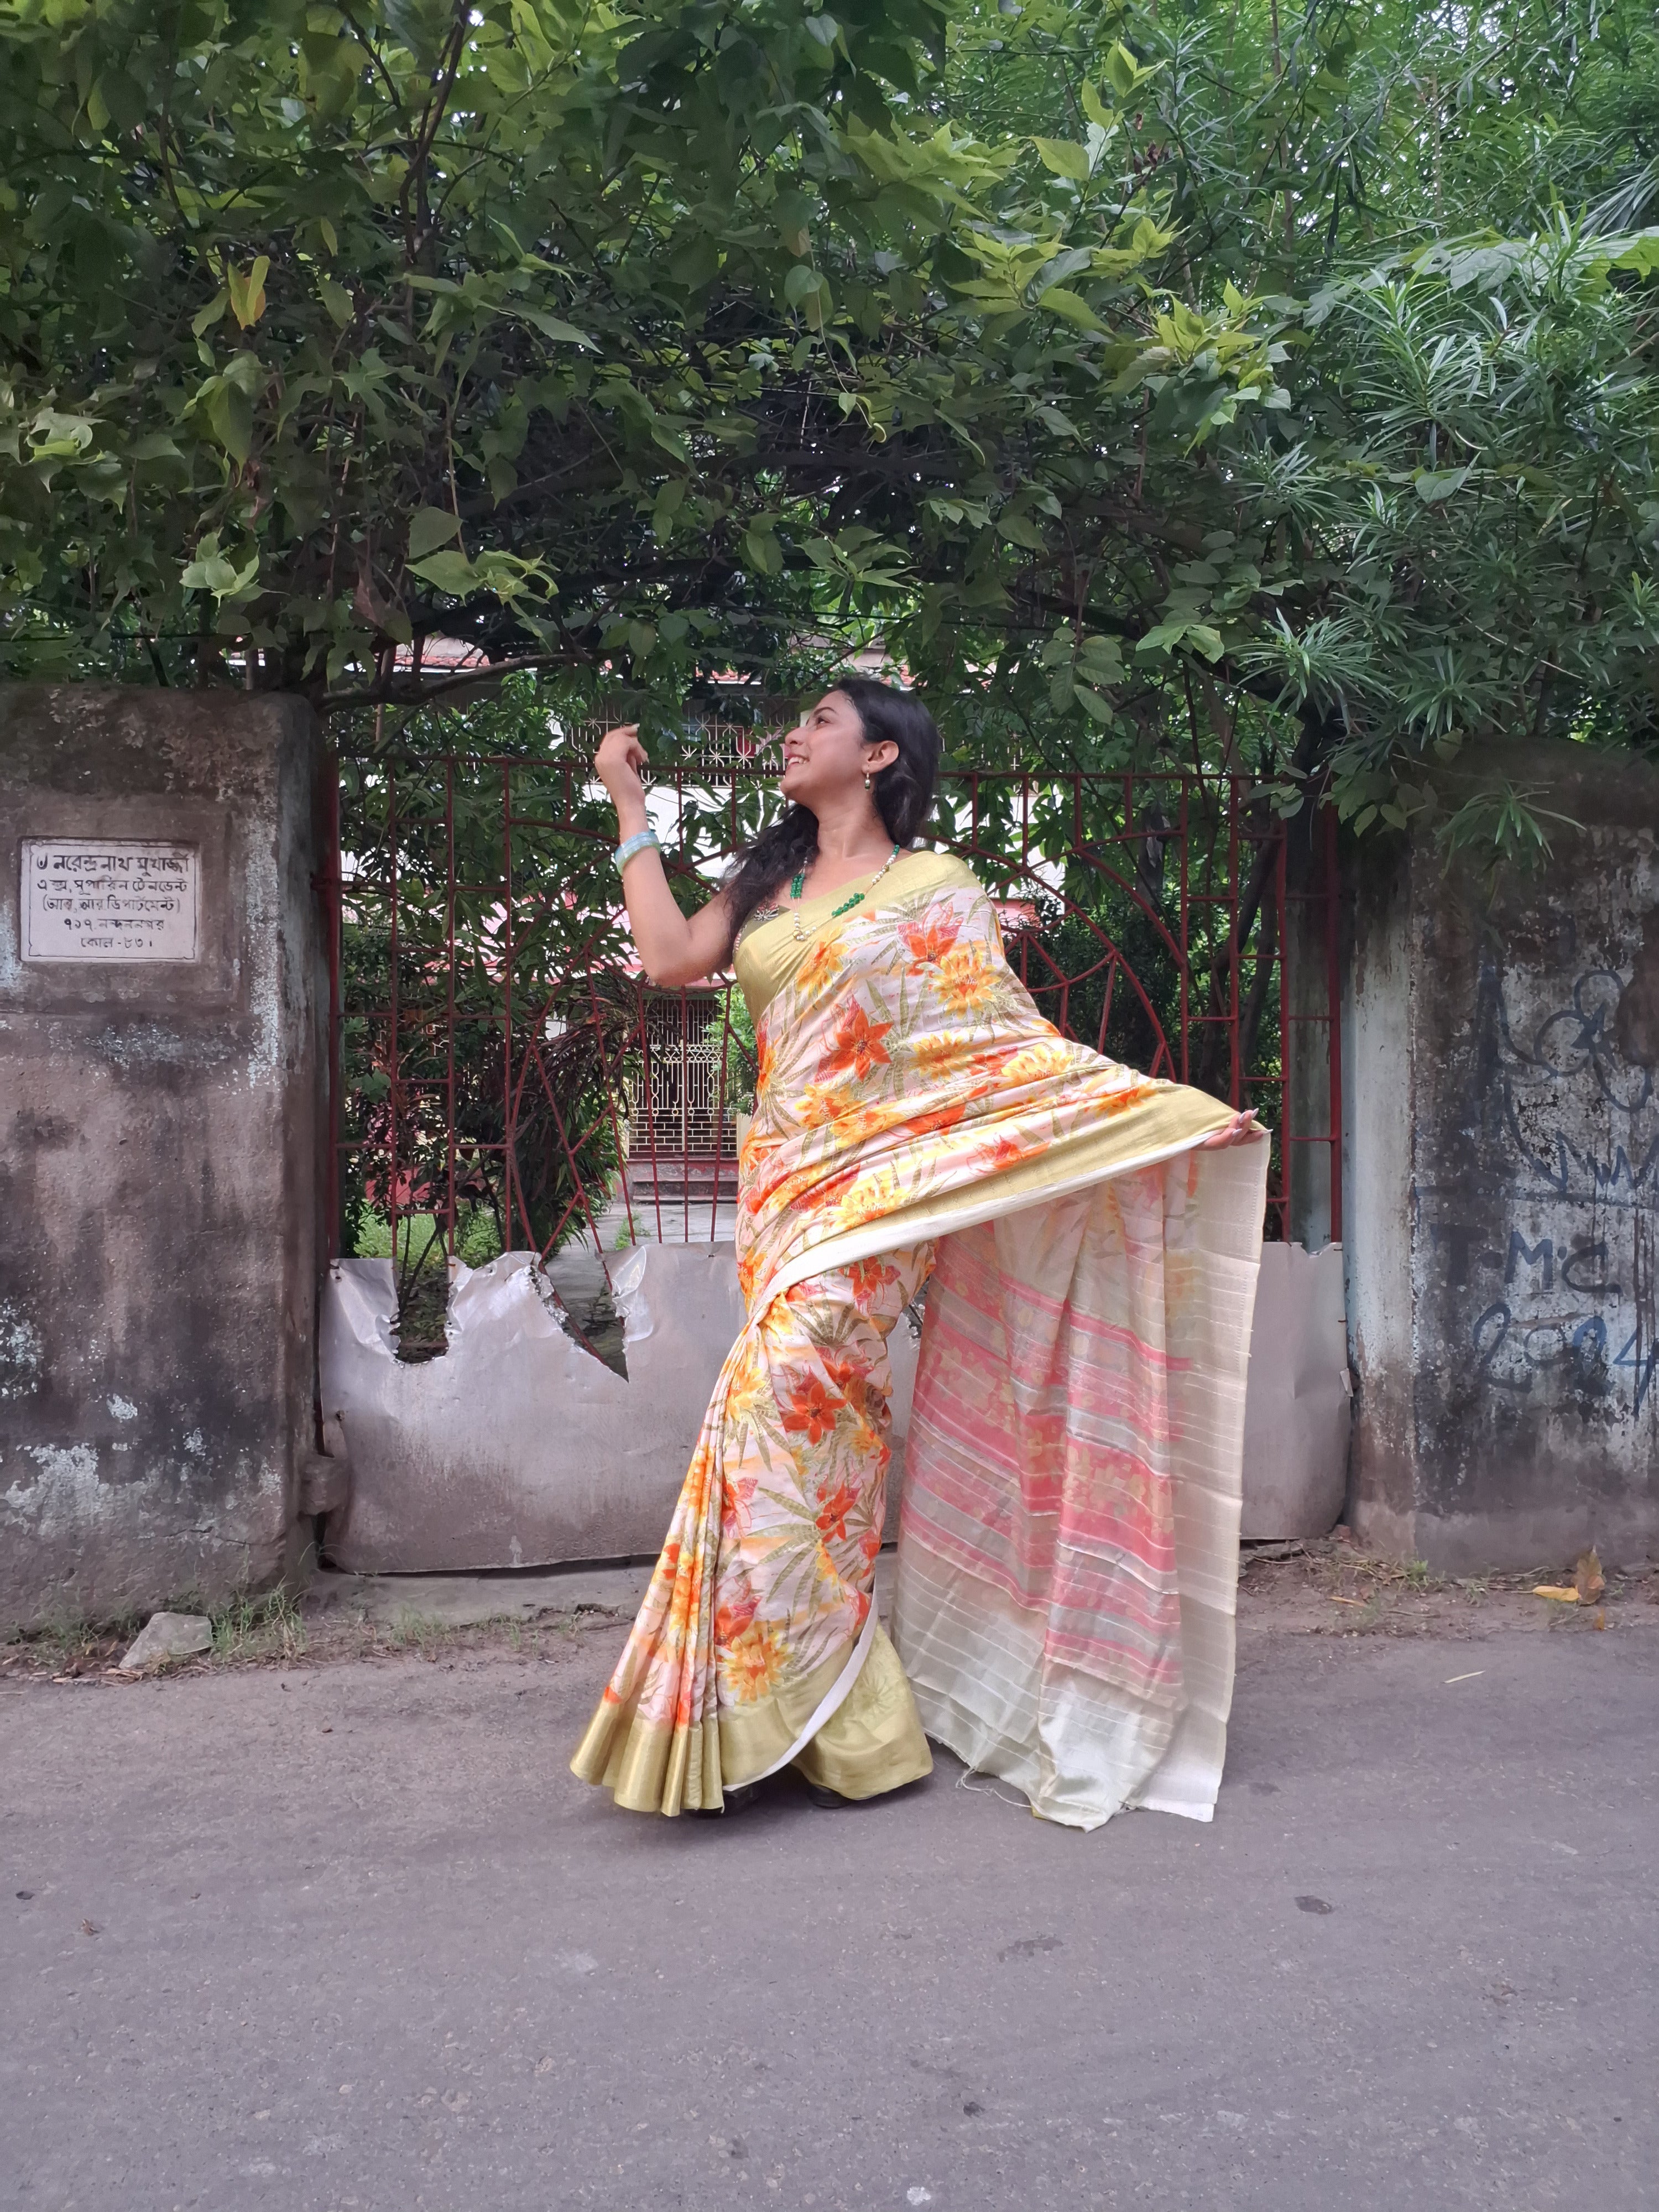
point(123, 99)
point(554, 327)
point(1123, 72)
point(1060, 299)
point(247, 293)
point(230, 417)
point(1063, 158)
point(1096, 109)
point(1433, 485)
point(205, 318)
point(451, 572)
point(1020, 530)
point(213, 571)
point(764, 553)
point(337, 301)
point(429, 527)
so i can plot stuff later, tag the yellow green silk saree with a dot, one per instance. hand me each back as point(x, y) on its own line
point(1068, 1546)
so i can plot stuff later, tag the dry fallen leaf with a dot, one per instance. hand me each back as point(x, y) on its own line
point(1562, 1597)
point(1587, 1577)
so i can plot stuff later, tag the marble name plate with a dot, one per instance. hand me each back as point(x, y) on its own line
point(119, 899)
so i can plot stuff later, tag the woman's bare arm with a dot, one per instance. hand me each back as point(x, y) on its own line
point(674, 949)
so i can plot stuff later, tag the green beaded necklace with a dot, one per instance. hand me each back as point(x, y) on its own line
point(798, 886)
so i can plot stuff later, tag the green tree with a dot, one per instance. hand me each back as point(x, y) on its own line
point(1204, 385)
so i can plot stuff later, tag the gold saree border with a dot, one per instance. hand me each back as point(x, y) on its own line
point(638, 1761)
point(873, 1741)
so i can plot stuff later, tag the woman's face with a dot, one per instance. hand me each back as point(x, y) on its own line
point(824, 756)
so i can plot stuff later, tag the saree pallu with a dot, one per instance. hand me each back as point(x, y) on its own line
point(1068, 1547)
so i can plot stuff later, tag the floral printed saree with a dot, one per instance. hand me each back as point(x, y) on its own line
point(1068, 1545)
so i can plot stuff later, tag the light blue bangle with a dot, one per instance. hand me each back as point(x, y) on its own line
point(627, 849)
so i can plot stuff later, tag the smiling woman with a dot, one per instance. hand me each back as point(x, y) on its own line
point(1069, 1541)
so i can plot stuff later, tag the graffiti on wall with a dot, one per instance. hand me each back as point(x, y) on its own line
point(1561, 1286)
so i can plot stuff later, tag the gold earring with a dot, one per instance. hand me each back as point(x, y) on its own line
point(866, 778)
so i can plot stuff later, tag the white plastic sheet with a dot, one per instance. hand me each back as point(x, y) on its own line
point(1297, 1405)
point(518, 1448)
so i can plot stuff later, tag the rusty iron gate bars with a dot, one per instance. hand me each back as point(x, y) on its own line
point(1322, 893)
point(610, 1106)
point(1334, 1014)
point(1112, 955)
point(509, 1152)
point(449, 1007)
point(577, 1178)
point(675, 867)
point(394, 1064)
point(720, 1113)
point(332, 891)
point(646, 1088)
point(1281, 890)
point(512, 1089)
point(1115, 957)
point(1267, 919)
point(1090, 851)
point(1227, 1016)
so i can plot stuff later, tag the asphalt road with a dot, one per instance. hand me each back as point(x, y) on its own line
point(351, 1936)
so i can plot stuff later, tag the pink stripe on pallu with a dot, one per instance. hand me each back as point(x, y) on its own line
point(1063, 1523)
point(1100, 1623)
point(1097, 1386)
point(1020, 1475)
point(975, 1278)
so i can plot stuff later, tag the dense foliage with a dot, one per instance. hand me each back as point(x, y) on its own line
point(1199, 382)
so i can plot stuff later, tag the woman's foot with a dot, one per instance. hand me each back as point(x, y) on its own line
point(732, 1799)
point(828, 1800)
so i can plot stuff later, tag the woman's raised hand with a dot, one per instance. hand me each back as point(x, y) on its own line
point(619, 761)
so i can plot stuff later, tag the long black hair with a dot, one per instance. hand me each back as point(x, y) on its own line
point(902, 791)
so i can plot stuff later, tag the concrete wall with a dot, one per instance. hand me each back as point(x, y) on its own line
point(1503, 1188)
point(160, 1140)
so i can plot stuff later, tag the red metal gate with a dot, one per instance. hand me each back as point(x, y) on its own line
point(502, 1072)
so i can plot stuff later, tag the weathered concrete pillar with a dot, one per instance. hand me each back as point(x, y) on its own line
point(1503, 1187)
point(162, 1056)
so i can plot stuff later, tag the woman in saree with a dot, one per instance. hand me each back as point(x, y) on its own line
point(1089, 1236)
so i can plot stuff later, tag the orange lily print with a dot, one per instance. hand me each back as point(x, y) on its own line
point(813, 1413)
point(834, 1509)
point(822, 966)
point(928, 939)
point(865, 1277)
point(857, 1046)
